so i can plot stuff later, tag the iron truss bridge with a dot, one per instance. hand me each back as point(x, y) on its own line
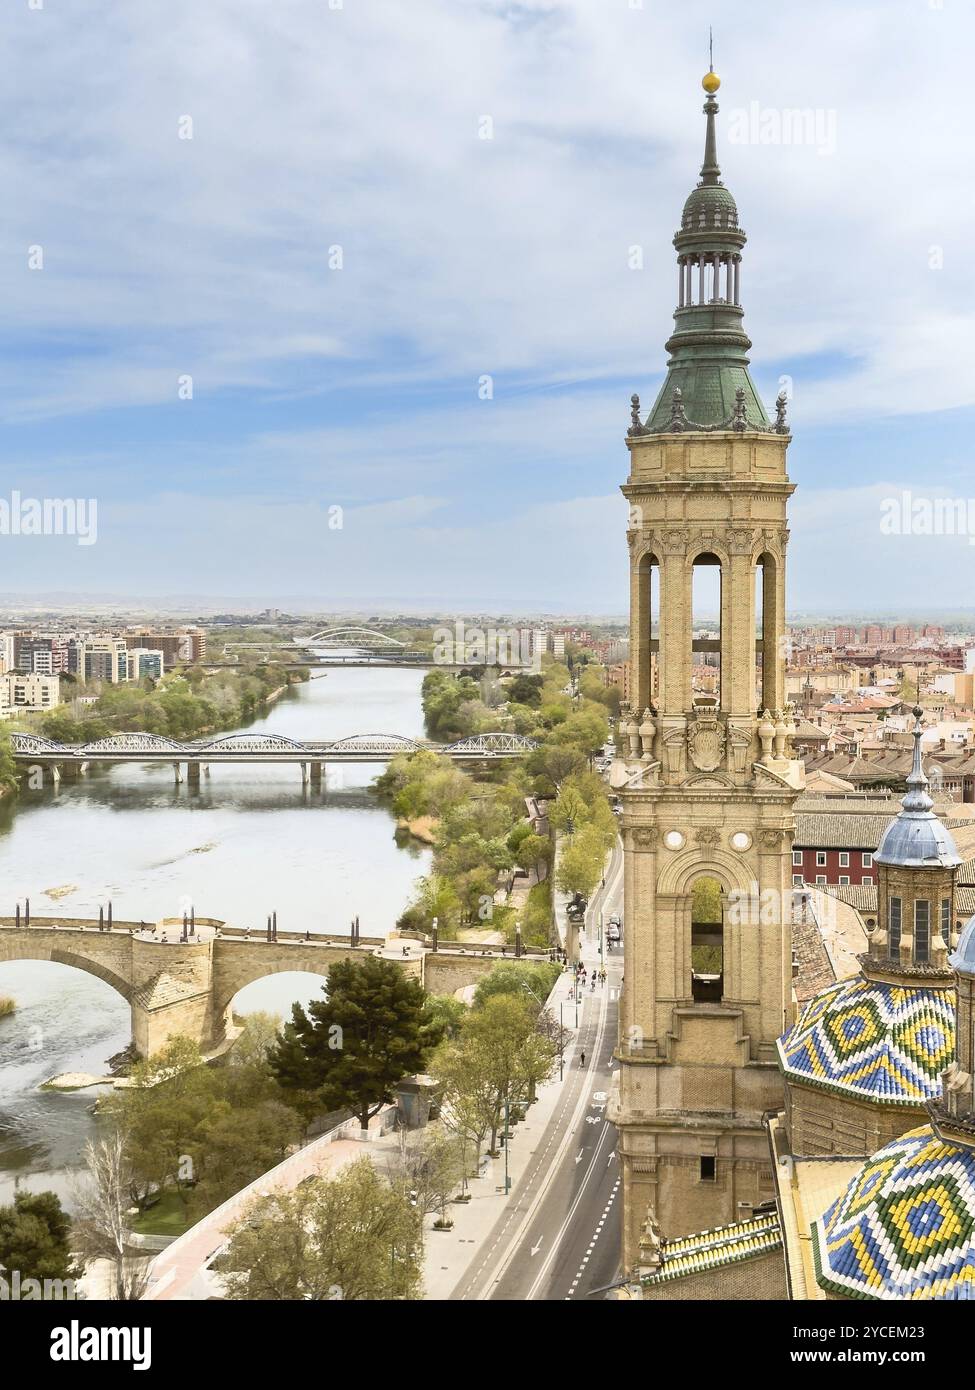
point(260, 748)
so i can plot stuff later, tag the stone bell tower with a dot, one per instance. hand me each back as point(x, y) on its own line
point(706, 776)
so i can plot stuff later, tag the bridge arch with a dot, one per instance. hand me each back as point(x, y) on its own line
point(38, 949)
point(353, 636)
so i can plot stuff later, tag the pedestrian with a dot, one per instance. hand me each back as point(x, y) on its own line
point(582, 1058)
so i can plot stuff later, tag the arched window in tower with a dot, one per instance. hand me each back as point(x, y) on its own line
point(647, 636)
point(707, 941)
point(766, 636)
point(706, 627)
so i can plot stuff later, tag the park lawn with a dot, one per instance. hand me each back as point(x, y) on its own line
point(167, 1218)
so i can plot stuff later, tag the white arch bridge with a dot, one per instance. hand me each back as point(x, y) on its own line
point(31, 750)
point(363, 638)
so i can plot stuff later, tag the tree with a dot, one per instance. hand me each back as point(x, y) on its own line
point(580, 863)
point(8, 768)
point(511, 1056)
point(353, 1237)
point(34, 1237)
point(526, 690)
point(526, 980)
point(446, 1013)
point(161, 1114)
point(534, 852)
point(237, 1146)
point(569, 811)
point(101, 1230)
point(351, 1048)
point(428, 1167)
point(467, 1099)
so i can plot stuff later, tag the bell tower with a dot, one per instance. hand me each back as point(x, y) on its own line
point(705, 775)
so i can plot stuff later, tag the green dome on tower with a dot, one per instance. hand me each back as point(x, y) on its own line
point(708, 386)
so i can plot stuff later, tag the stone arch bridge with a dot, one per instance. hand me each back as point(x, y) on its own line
point(175, 986)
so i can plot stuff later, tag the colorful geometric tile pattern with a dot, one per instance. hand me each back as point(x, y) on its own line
point(905, 1226)
point(881, 1042)
point(722, 1245)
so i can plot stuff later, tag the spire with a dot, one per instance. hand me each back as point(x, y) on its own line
point(710, 171)
point(917, 798)
point(708, 349)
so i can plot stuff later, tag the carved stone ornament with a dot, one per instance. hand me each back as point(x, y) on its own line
point(740, 541)
point(645, 837)
point(706, 741)
point(708, 838)
point(771, 839)
point(740, 741)
point(675, 743)
point(675, 541)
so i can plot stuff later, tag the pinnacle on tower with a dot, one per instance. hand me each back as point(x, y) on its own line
point(707, 375)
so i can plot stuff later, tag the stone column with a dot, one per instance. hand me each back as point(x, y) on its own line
point(738, 636)
point(674, 675)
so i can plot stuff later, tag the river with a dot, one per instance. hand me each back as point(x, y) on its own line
point(250, 840)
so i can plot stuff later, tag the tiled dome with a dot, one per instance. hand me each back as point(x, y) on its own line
point(878, 1041)
point(905, 1226)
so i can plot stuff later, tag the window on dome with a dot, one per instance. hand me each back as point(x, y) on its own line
point(922, 930)
point(946, 919)
point(708, 1166)
point(894, 928)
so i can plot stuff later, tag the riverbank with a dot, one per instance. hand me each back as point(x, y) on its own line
point(248, 841)
point(7, 1006)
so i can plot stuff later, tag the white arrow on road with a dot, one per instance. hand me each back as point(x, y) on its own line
point(536, 1248)
point(579, 1156)
point(612, 1158)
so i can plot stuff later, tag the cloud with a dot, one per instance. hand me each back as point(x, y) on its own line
point(337, 257)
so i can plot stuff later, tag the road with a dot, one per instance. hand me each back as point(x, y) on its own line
point(560, 1238)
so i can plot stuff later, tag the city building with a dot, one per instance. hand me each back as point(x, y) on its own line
point(142, 662)
point(106, 659)
point(27, 692)
point(187, 644)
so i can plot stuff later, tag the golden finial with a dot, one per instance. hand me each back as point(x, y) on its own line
point(710, 81)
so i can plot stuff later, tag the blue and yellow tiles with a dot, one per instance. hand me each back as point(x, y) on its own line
point(712, 1249)
point(905, 1226)
point(881, 1042)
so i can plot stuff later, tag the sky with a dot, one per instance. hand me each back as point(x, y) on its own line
point(336, 301)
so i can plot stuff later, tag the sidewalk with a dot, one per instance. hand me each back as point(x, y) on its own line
point(449, 1254)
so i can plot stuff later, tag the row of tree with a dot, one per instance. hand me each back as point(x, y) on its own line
point(205, 1132)
point(480, 827)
